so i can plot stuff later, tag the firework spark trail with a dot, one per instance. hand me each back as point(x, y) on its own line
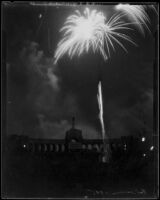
point(100, 104)
point(137, 14)
point(153, 7)
point(91, 30)
point(104, 136)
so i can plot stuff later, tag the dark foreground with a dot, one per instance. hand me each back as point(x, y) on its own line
point(76, 175)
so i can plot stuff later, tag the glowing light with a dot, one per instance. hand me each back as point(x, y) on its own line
point(144, 155)
point(24, 146)
point(136, 13)
point(151, 148)
point(91, 31)
point(40, 16)
point(143, 139)
point(103, 159)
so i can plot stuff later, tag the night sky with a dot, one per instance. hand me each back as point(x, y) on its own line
point(43, 97)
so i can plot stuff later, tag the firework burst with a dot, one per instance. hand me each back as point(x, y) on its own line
point(91, 31)
point(137, 14)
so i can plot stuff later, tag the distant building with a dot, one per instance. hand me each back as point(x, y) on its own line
point(73, 142)
point(74, 138)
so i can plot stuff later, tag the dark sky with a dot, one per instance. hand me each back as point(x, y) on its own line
point(42, 97)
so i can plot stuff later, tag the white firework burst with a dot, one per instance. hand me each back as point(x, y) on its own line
point(91, 31)
point(137, 14)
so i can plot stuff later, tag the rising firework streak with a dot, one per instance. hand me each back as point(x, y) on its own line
point(100, 104)
point(104, 136)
